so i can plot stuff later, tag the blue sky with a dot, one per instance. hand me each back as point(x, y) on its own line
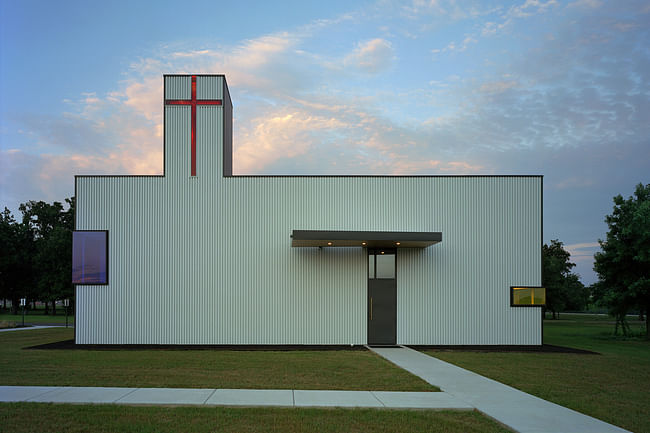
point(415, 87)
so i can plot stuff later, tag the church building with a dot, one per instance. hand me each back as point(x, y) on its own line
point(199, 255)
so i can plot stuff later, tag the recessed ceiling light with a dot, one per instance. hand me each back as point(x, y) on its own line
point(329, 243)
point(363, 243)
point(382, 252)
point(397, 243)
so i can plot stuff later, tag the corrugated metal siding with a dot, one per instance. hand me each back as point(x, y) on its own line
point(208, 141)
point(209, 87)
point(177, 87)
point(207, 260)
point(491, 240)
point(178, 138)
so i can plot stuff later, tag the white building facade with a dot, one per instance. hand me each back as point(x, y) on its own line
point(201, 256)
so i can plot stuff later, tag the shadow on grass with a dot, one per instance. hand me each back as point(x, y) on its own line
point(70, 345)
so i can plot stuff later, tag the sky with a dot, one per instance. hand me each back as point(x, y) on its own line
point(557, 88)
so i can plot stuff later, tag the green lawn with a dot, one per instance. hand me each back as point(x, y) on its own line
point(36, 317)
point(30, 417)
point(335, 369)
point(612, 386)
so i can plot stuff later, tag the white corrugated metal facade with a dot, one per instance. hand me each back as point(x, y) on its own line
point(208, 259)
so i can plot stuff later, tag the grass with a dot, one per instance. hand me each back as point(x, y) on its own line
point(612, 386)
point(36, 317)
point(28, 417)
point(338, 369)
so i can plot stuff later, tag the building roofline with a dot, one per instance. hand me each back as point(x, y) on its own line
point(392, 176)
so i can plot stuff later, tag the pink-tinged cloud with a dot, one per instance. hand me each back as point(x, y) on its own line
point(583, 253)
point(371, 56)
point(277, 135)
point(145, 97)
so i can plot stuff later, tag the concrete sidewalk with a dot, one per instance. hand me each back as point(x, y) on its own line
point(26, 328)
point(233, 397)
point(516, 409)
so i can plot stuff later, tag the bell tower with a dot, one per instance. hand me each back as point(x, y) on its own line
point(198, 126)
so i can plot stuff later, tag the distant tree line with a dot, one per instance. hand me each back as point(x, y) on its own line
point(36, 254)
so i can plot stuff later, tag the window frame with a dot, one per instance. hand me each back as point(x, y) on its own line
point(106, 265)
point(512, 296)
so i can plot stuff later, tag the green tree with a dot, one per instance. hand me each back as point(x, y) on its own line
point(623, 265)
point(16, 254)
point(7, 252)
point(563, 288)
point(577, 294)
point(51, 226)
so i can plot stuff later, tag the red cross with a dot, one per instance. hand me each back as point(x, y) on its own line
point(193, 102)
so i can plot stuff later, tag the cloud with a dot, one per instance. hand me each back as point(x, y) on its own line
point(255, 53)
point(282, 134)
point(447, 9)
point(580, 246)
point(61, 134)
point(573, 182)
point(590, 4)
point(457, 47)
point(40, 177)
point(145, 97)
point(625, 27)
point(529, 8)
point(371, 56)
point(583, 253)
point(517, 12)
point(498, 86)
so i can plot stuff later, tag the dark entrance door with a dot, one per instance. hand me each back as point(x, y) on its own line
point(382, 297)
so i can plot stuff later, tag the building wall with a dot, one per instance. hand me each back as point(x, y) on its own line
point(207, 260)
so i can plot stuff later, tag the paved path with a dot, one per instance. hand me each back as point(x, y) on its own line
point(516, 409)
point(26, 328)
point(233, 397)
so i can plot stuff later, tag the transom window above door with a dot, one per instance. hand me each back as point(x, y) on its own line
point(381, 264)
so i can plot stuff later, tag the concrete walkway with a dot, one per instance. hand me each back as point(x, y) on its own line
point(232, 397)
point(516, 409)
point(26, 328)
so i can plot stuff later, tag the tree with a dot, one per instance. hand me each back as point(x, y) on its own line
point(563, 288)
point(7, 253)
point(9, 243)
point(16, 274)
point(577, 295)
point(51, 227)
point(623, 265)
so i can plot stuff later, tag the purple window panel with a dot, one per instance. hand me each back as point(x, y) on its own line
point(89, 257)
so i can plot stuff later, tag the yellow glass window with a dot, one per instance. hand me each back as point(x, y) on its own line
point(528, 296)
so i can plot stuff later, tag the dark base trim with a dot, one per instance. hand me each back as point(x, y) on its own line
point(542, 348)
point(383, 345)
point(70, 345)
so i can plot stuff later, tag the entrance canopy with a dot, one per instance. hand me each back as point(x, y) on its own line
point(325, 238)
